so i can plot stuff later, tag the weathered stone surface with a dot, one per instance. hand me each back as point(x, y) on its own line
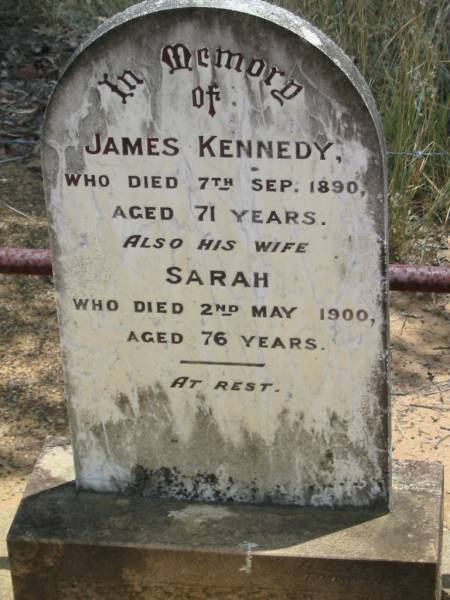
point(445, 567)
point(268, 382)
point(73, 545)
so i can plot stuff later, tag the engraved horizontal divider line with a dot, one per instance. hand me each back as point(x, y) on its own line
point(221, 363)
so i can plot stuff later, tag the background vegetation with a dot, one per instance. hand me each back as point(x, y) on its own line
point(401, 48)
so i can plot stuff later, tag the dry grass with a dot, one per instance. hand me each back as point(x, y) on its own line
point(401, 48)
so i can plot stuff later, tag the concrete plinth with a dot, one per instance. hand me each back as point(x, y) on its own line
point(81, 546)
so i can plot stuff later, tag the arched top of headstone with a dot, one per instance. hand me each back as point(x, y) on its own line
point(257, 8)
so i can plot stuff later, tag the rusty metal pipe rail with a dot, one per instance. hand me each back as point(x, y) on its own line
point(402, 278)
point(419, 278)
point(26, 261)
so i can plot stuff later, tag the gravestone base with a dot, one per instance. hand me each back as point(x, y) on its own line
point(71, 545)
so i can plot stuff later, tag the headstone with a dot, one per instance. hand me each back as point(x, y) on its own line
point(216, 185)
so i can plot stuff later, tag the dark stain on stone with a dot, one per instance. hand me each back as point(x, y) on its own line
point(124, 405)
point(209, 468)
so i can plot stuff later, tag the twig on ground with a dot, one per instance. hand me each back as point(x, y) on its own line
point(427, 390)
point(431, 406)
point(19, 212)
point(441, 440)
point(13, 159)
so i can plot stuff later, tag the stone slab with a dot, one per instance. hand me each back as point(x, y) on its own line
point(445, 566)
point(77, 545)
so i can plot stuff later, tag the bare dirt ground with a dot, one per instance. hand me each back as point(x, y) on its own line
point(31, 386)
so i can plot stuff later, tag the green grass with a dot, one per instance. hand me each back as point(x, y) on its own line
point(401, 48)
